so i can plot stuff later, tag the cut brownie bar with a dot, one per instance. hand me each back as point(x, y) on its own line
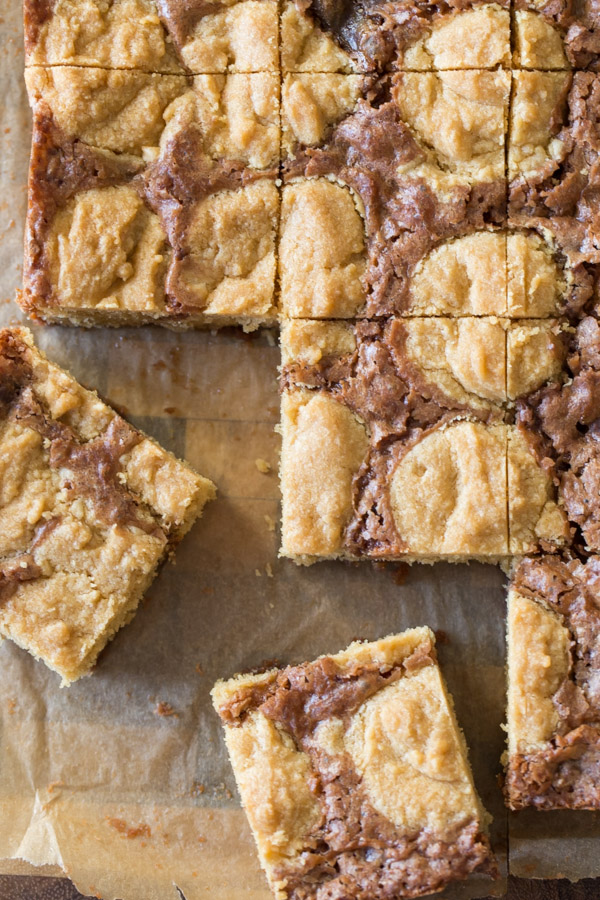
point(560, 424)
point(177, 175)
point(90, 507)
point(376, 416)
point(381, 37)
point(164, 36)
point(553, 759)
point(400, 170)
point(354, 774)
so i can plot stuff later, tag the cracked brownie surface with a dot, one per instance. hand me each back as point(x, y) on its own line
point(90, 508)
point(354, 774)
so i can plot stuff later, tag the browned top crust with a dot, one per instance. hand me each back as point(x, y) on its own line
point(561, 422)
point(354, 850)
point(565, 773)
point(561, 197)
point(579, 25)
point(404, 218)
point(375, 33)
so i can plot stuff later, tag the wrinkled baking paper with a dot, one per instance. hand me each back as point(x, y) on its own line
point(132, 804)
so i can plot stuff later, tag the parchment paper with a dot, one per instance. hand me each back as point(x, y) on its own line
point(130, 804)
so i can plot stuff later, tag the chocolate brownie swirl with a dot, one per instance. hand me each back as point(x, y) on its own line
point(61, 167)
point(354, 850)
point(565, 772)
point(375, 34)
point(561, 199)
point(36, 13)
point(399, 406)
point(561, 422)
point(181, 178)
point(404, 218)
point(92, 468)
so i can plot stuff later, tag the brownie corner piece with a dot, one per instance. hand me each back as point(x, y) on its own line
point(162, 36)
point(188, 237)
point(354, 775)
point(553, 756)
point(90, 508)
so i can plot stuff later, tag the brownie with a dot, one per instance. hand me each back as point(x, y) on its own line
point(367, 36)
point(553, 758)
point(354, 774)
point(90, 509)
point(178, 175)
point(552, 35)
point(377, 416)
point(163, 36)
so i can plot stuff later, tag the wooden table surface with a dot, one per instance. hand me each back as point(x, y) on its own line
point(26, 888)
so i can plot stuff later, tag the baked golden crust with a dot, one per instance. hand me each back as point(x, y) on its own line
point(537, 96)
point(312, 103)
point(118, 110)
point(323, 447)
point(89, 509)
point(538, 44)
point(392, 733)
point(305, 47)
point(538, 662)
point(477, 38)
point(459, 119)
point(461, 469)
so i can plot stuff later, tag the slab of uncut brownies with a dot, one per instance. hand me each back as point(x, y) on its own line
point(152, 198)
point(399, 439)
point(354, 774)
point(553, 758)
point(89, 509)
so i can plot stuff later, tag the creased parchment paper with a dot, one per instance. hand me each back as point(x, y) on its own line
point(131, 804)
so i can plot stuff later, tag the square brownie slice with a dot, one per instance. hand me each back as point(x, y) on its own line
point(553, 757)
point(177, 175)
point(377, 176)
point(90, 508)
point(354, 774)
point(163, 36)
point(378, 415)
